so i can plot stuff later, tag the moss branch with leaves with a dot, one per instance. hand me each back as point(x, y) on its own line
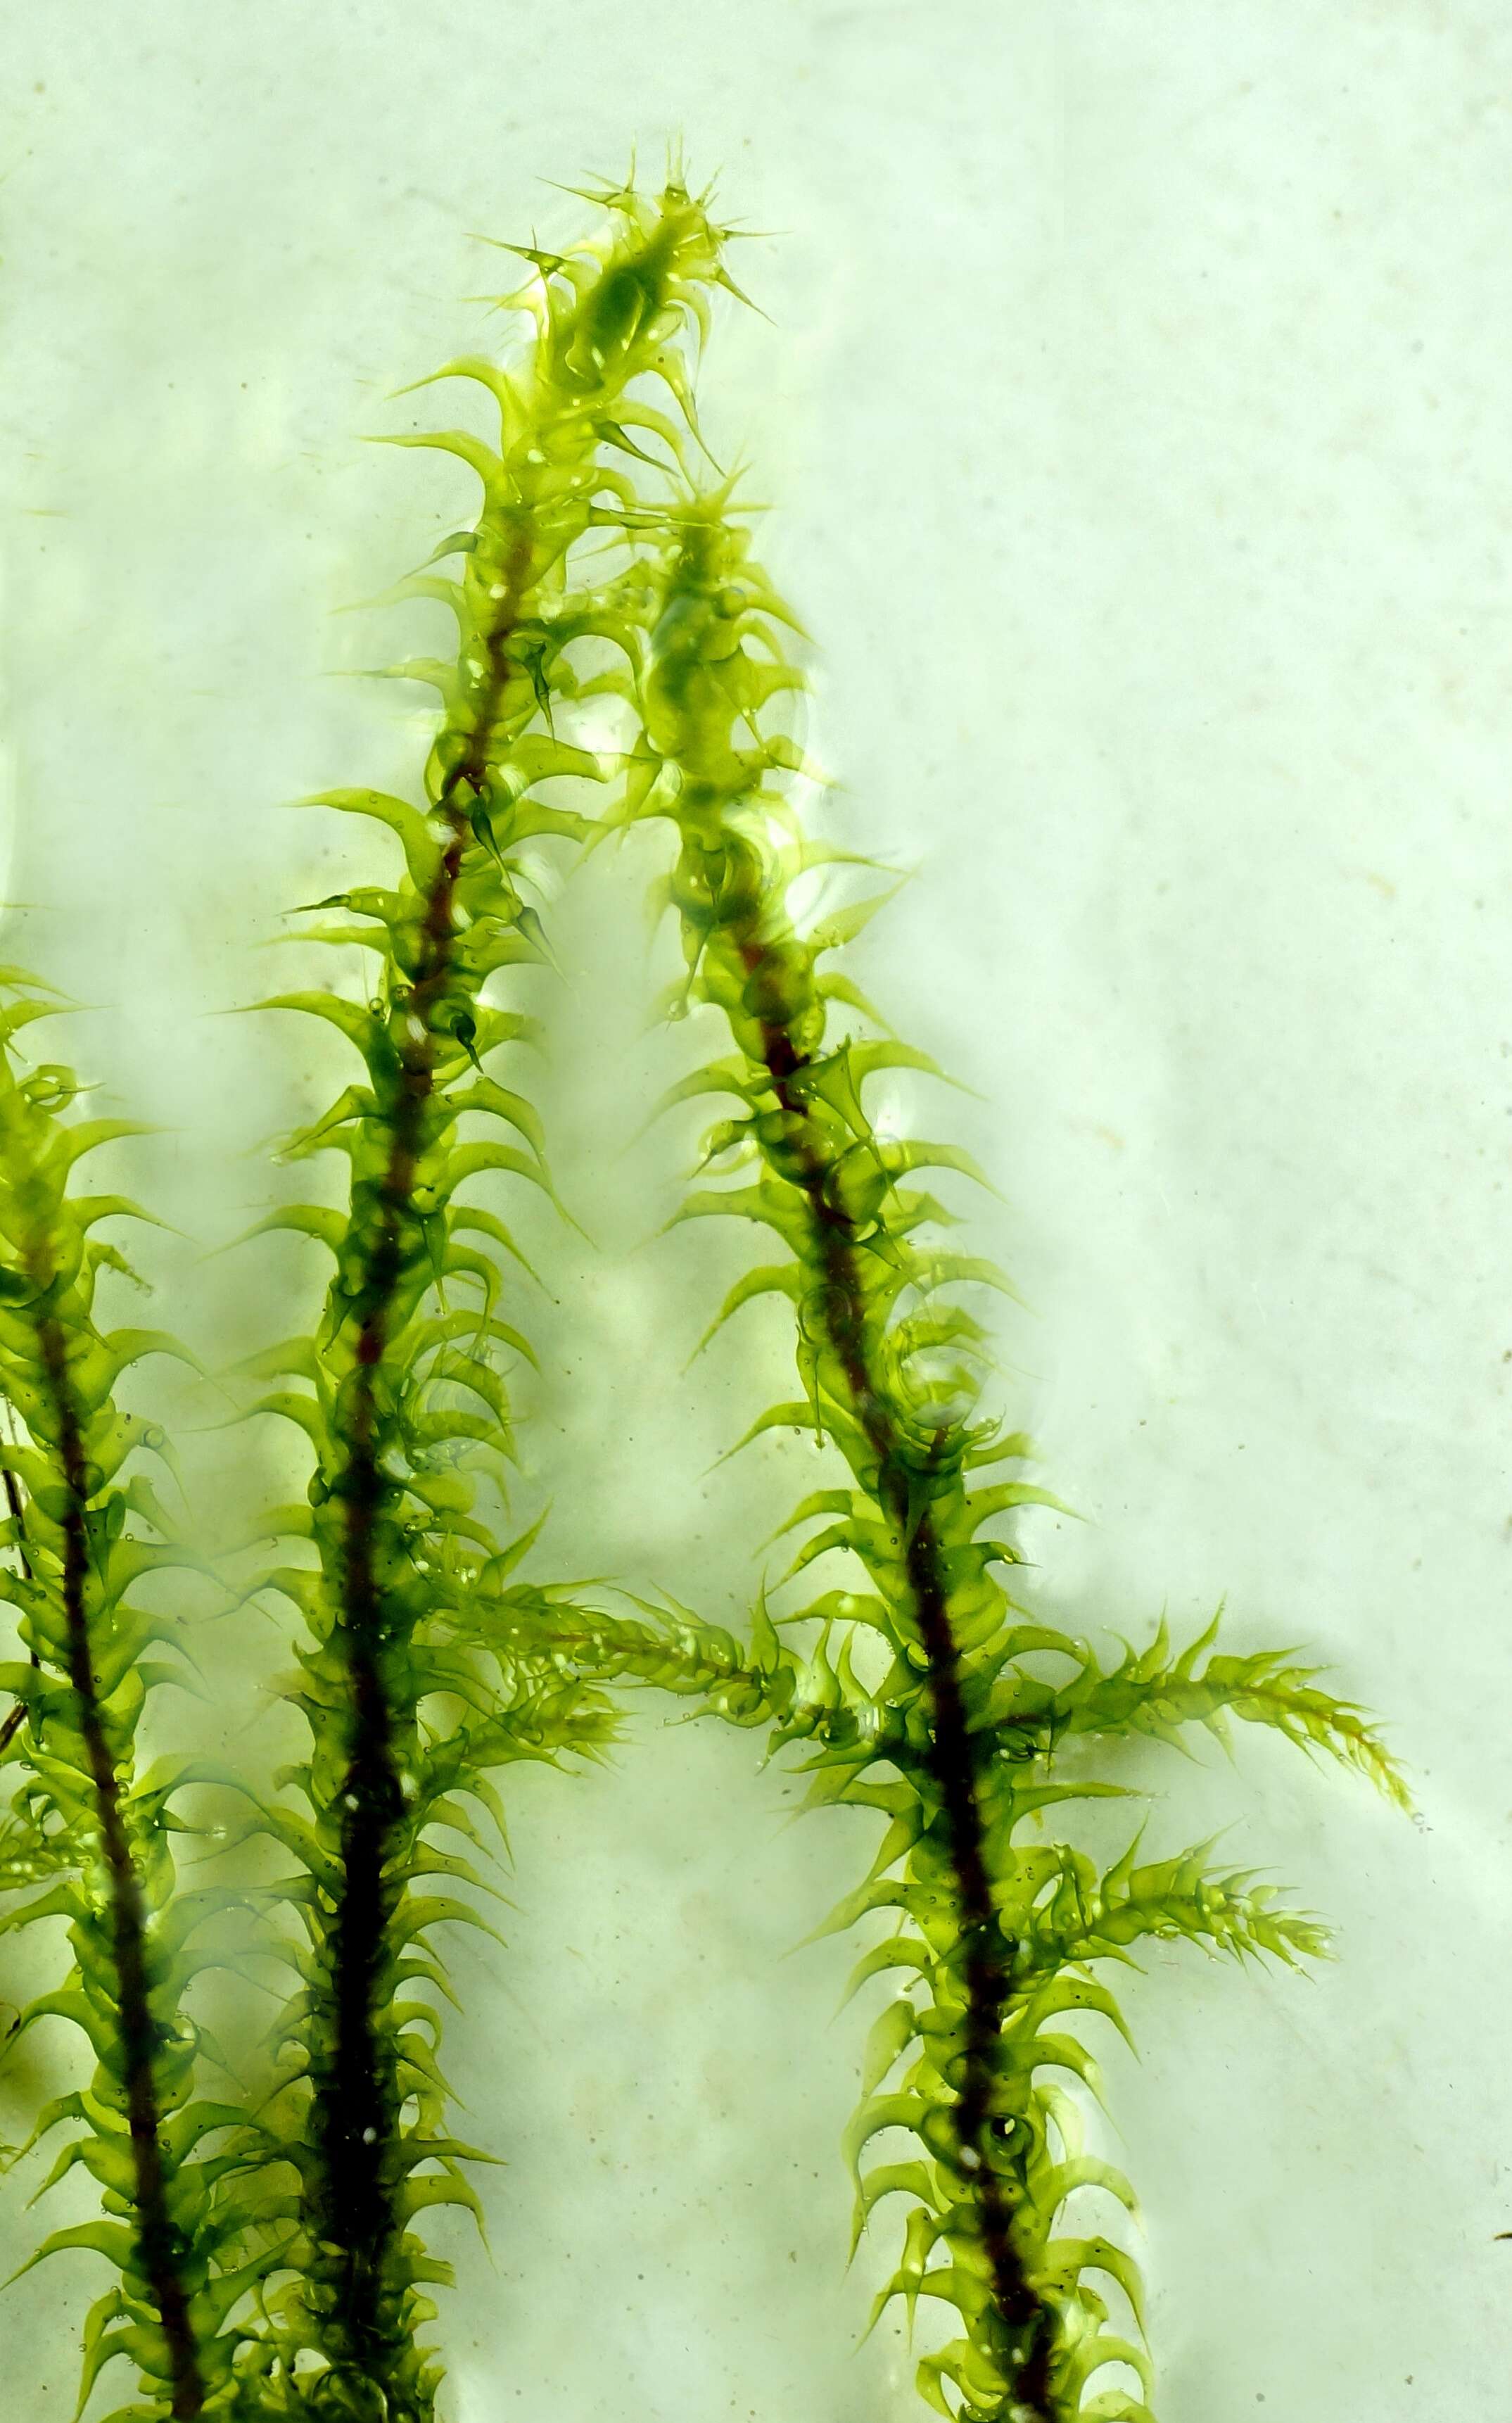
point(268, 2250)
point(953, 1737)
point(90, 1825)
point(402, 1385)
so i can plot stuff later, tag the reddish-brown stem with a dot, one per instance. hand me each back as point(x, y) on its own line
point(140, 2034)
point(357, 2103)
point(953, 1757)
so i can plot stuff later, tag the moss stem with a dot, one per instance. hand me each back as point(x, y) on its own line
point(159, 2238)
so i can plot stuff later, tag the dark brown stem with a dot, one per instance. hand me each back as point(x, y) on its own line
point(140, 2034)
point(357, 2103)
point(17, 1716)
point(953, 1760)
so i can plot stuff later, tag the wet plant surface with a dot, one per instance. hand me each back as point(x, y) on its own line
point(266, 2244)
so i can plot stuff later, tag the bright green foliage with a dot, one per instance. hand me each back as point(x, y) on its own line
point(30, 1852)
point(86, 1825)
point(276, 2266)
point(415, 1680)
point(998, 1932)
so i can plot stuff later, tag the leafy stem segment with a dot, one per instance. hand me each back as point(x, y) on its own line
point(140, 2029)
point(404, 1388)
point(174, 2223)
point(908, 1488)
point(997, 1935)
point(829, 1182)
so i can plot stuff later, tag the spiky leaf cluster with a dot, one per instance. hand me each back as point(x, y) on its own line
point(418, 1678)
point(921, 1687)
point(91, 1825)
point(280, 2268)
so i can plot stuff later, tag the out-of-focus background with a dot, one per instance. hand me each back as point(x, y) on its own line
point(1132, 400)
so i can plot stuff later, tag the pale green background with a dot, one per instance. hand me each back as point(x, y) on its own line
point(1135, 397)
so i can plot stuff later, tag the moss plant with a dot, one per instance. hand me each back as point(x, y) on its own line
point(953, 1737)
point(402, 1385)
point(267, 2252)
point(88, 1825)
